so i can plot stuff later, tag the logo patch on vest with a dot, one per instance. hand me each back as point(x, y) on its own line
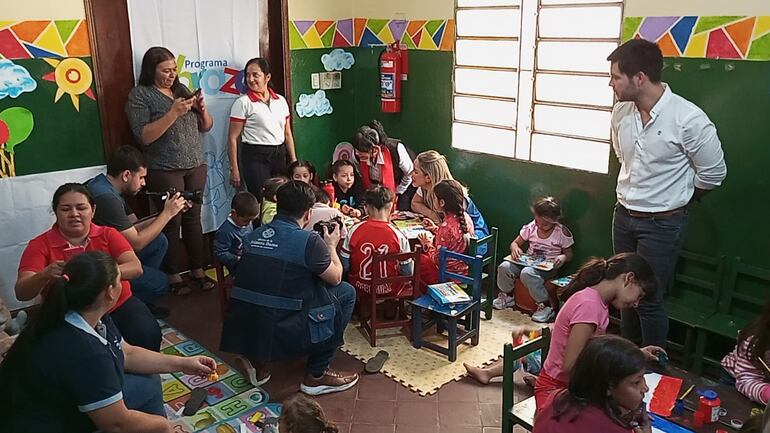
point(269, 233)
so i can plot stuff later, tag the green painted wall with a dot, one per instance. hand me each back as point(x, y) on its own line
point(730, 221)
point(316, 137)
point(63, 138)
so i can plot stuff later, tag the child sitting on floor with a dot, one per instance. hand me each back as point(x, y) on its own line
point(322, 211)
point(228, 242)
point(620, 281)
point(375, 235)
point(303, 171)
point(748, 362)
point(348, 188)
point(269, 206)
point(302, 414)
point(547, 239)
point(454, 232)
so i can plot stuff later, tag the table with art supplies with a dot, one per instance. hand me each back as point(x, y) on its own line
point(410, 224)
point(681, 402)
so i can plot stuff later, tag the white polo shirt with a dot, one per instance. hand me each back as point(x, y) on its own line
point(263, 123)
point(662, 163)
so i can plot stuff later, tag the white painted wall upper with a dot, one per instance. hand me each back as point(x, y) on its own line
point(647, 8)
point(321, 9)
point(437, 9)
point(14, 10)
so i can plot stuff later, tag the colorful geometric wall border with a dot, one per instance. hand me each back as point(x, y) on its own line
point(431, 35)
point(51, 39)
point(712, 37)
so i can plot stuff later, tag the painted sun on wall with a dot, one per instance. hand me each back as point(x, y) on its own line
point(42, 61)
point(713, 37)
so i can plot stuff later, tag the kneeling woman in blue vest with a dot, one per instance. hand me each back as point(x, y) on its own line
point(69, 369)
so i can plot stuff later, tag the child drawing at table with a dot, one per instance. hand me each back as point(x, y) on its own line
point(454, 232)
point(375, 235)
point(748, 362)
point(547, 238)
point(348, 189)
point(620, 281)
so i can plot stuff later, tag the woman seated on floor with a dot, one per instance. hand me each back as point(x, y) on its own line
point(605, 394)
point(69, 369)
point(74, 233)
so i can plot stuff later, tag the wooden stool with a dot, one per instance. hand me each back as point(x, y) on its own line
point(524, 300)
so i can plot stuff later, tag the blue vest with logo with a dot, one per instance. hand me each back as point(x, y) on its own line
point(278, 308)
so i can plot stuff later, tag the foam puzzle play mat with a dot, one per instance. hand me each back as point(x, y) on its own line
point(231, 401)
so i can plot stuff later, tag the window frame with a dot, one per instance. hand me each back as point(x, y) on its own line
point(517, 153)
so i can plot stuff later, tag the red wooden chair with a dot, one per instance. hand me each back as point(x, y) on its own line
point(224, 284)
point(369, 301)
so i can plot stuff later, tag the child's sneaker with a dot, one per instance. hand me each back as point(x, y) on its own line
point(503, 301)
point(544, 314)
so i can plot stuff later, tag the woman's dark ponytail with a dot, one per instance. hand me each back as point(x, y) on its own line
point(83, 278)
point(596, 270)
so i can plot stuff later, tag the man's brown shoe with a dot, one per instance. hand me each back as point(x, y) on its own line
point(331, 381)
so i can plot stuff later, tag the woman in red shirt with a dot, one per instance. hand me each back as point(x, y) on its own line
point(74, 233)
point(605, 394)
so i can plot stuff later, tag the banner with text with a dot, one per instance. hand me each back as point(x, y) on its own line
point(212, 42)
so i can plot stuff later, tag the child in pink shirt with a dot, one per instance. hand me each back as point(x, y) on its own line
point(547, 239)
point(620, 281)
point(743, 363)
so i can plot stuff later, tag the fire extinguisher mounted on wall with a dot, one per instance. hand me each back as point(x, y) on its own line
point(394, 67)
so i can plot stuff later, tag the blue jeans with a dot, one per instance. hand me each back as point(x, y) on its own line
point(143, 393)
point(659, 241)
point(153, 283)
point(345, 294)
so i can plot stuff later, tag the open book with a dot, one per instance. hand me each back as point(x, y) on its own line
point(540, 263)
point(448, 293)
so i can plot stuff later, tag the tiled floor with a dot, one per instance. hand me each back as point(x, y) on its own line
point(376, 405)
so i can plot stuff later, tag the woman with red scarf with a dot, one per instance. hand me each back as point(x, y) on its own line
point(260, 119)
point(385, 161)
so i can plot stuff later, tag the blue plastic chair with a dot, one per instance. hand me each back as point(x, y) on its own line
point(447, 317)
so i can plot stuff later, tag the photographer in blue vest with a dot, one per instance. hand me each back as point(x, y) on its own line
point(288, 299)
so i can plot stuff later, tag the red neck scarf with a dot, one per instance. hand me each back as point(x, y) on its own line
point(388, 178)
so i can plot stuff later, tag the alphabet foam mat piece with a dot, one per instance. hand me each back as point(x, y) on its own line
point(231, 399)
point(425, 371)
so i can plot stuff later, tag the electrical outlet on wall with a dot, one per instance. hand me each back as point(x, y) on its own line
point(315, 81)
point(331, 80)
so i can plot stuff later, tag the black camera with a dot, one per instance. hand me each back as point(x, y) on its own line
point(323, 226)
point(193, 196)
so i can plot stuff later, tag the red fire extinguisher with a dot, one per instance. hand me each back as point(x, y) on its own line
point(394, 67)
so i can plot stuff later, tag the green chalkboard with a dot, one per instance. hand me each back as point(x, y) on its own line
point(62, 138)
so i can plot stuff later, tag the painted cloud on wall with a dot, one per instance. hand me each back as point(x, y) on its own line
point(315, 104)
point(337, 60)
point(14, 80)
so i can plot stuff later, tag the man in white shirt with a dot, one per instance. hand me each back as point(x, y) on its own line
point(670, 155)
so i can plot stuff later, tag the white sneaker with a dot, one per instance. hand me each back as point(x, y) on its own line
point(503, 301)
point(544, 314)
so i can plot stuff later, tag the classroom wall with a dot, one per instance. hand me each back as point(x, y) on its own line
point(734, 93)
point(49, 119)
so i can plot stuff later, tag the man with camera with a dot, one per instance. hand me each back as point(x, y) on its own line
point(126, 170)
point(289, 300)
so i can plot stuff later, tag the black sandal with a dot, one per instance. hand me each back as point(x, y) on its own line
point(204, 283)
point(374, 364)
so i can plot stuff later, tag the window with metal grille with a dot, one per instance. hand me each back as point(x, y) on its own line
point(531, 79)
